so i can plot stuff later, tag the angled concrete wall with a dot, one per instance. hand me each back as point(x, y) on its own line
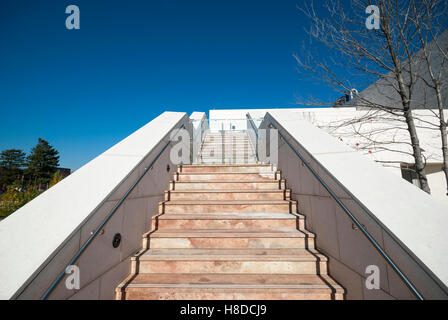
point(407, 223)
point(38, 240)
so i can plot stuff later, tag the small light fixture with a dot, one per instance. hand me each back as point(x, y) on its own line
point(116, 240)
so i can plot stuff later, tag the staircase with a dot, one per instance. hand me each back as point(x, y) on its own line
point(228, 231)
point(222, 147)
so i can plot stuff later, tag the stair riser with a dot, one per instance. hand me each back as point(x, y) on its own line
point(287, 207)
point(280, 224)
point(275, 185)
point(238, 144)
point(226, 155)
point(248, 169)
point(230, 294)
point(227, 161)
point(230, 145)
point(245, 267)
point(227, 143)
point(284, 195)
point(236, 147)
point(219, 139)
point(216, 243)
point(226, 177)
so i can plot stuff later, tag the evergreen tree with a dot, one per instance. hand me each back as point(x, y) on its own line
point(42, 162)
point(12, 162)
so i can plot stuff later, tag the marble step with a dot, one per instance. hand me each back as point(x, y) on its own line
point(226, 261)
point(246, 168)
point(227, 176)
point(209, 238)
point(202, 206)
point(228, 185)
point(232, 221)
point(228, 195)
point(167, 286)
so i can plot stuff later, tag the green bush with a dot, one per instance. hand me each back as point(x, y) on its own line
point(15, 197)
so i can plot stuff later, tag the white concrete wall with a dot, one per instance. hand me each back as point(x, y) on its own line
point(38, 240)
point(408, 224)
point(437, 181)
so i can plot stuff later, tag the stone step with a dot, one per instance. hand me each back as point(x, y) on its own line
point(232, 185)
point(227, 143)
point(229, 287)
point(228, 195)
point(239, 148)
point(227, 161)
point(220, 136)
point(247, 168)
point(271, 206)
point(225, 140)
point(227, 176)
point(232, 252)
point(297, 262)
point(227, 134)
point(226, 151)
point(226, 154)
point(265, 221)
point(227, 157)
point(210, 238)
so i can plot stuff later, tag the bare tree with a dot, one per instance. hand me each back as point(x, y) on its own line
point(358, 54)
point(433, 39)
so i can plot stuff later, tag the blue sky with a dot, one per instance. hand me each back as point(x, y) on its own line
point(85, 90)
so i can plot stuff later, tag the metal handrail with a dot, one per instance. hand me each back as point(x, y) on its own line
point(255, 129)
point(356, 222)
point(198, 155)
point(108, 217)
point(252, 124)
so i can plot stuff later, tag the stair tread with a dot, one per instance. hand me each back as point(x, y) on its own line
point(228, 191)
point(254, 281)
point(230, 181)
point(232, 251)
point(231, 255)
point(224, 173)
point(225, 165)
point(220, 233)
point(227, 216)
point(229, 202)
